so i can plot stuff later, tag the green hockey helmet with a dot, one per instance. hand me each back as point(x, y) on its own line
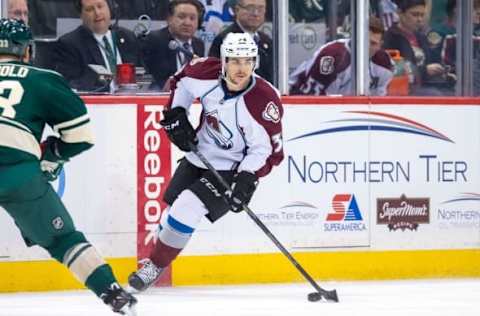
point(15, 36)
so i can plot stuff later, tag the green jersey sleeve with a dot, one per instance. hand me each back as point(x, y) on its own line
point(67, 114)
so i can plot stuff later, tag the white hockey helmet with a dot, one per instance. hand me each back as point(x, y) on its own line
point(238, 45)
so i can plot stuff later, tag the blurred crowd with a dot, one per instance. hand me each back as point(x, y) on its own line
point(412, 43)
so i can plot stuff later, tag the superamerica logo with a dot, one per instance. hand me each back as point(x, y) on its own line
point(376, 121)
point(345, 214)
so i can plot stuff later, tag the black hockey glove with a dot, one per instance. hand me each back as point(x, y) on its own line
point(244, 185)
point(178, 128)
point(51, 163)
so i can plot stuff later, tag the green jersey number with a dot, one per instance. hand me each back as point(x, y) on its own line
point(13, 98)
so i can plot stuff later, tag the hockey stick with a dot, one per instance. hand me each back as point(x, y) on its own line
point(312, 297)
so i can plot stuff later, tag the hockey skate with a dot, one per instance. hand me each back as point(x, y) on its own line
point(120, 300)
point(145, 277)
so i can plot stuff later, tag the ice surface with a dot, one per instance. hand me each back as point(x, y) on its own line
point(457, 297)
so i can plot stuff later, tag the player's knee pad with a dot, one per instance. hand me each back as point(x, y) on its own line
point(82, 260)
point(174, 233)
point(77, 254)
point(188, 209)
point(63, 243)
point(178, 224)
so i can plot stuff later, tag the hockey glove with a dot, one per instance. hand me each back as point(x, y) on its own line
point(178, 128)
point(51, 163)
point(244, 185)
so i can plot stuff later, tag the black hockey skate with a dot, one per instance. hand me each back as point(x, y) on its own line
point(119, 300)
point(145, 277)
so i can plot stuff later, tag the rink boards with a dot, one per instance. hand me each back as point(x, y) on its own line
point(369, 189)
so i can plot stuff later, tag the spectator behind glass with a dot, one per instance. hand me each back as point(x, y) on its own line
point(387, 11)
point(18, 9)
point(450, 48)
point(429, 75)
point(94, 42)
point(249, 17)
point(329, 71)
point(437, 34)
point(131, 10)
point(44, 15)
point(307, 11)
point(160, 59)
point(476, 17)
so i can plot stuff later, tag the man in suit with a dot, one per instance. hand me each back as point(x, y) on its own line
point(94, 42)
point(249, 17)
point(161, 60)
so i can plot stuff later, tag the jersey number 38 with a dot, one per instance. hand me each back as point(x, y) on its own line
point(11, 93)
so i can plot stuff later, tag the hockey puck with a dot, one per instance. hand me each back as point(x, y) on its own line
point(314, 297)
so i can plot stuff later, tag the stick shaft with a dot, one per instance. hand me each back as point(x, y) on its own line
point(259, 223)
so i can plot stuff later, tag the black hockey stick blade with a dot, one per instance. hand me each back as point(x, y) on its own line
point(330, 296)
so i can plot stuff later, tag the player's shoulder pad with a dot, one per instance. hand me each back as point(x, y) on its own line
point(333, 57)
point(382, 58)
point(263, 102)
point(43, 71)
point(46, 79)
point(335, 49)
point(201, 68)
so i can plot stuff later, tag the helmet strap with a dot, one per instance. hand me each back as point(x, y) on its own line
point(230, 84)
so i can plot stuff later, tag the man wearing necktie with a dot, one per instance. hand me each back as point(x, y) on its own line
point(95, 42)
point(249, 17)
point(110, 54)
point(163, 59)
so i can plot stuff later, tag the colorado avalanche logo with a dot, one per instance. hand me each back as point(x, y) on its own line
point(220, 133)
point(327, 65)
point(271, 113)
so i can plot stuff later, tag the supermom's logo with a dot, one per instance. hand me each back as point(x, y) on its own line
point(403, 212)
point(377, 121)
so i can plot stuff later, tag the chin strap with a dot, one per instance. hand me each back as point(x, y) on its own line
point(237, 87)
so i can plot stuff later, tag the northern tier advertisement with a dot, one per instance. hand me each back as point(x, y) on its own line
point(355, 176)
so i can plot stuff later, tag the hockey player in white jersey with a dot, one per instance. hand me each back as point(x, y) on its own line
point(240, 133)
point(329, 71)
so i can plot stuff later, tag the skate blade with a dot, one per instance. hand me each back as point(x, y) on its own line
point(129, 310)
point(131, 290)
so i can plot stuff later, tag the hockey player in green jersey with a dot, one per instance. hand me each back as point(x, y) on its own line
point(30, 98)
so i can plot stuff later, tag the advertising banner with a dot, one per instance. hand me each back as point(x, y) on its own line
point(153, 174)
point(358, 176)
point(355, 176)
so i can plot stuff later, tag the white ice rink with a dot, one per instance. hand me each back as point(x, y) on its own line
point(402, 298)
